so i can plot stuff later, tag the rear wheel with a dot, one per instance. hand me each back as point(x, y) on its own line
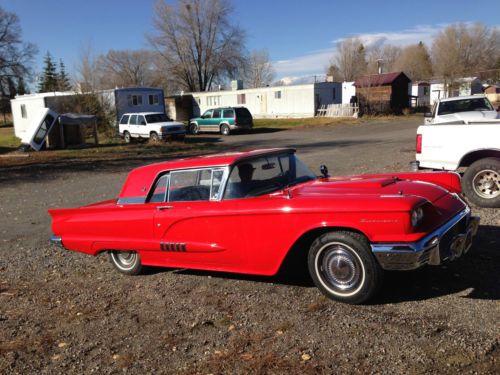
point(193, 128)
point(224, 129)
point(481, 183)
point(127, 262)
point(343, 267)
point(154, 137)
point(126, 137)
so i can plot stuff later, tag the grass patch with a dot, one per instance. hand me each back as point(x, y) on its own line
point(286, 123)
point(8, 141)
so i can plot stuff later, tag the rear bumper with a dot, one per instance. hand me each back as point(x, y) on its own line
point(448, 242)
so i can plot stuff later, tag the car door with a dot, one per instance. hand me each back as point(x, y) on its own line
point(193, 227)
point(215, 121)
point(134, 128)
point(205, 119)
point(142, 127)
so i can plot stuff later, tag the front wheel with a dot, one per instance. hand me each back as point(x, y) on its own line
point(224, 129)
point(481, 183)
point(127, 262)
point(193, 128)
point(343, 267)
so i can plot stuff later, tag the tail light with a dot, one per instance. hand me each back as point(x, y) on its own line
point(418, 145)
point(235, 121)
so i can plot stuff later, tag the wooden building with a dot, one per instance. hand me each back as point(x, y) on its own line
point(383, 93)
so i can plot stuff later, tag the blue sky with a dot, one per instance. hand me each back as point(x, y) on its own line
point(299, 35)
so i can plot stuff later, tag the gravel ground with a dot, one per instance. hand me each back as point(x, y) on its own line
point(66, 313)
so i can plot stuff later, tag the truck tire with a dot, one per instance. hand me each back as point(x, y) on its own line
point(481, 183)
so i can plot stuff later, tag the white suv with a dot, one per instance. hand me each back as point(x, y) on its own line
point(152, 125)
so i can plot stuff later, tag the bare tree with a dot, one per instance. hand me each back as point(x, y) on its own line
point(465, 50)
point(126, 68)
point(415, 61)
point(384, 56)
point(87, 75)
point(259, 71)
point(199, 43)
point(350, 59)
point(15, 55)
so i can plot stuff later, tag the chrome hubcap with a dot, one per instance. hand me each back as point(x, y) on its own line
point(340, 268)
point(486, 184)
point(124, 259)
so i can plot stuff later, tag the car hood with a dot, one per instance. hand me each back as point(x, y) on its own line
point(369, 187)
point(468, 116)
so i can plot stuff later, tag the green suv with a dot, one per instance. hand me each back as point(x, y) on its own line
point(222, 120)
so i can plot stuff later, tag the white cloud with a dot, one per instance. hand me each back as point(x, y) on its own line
point(315, 62)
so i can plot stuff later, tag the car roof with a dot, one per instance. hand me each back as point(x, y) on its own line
point(143, 113)
point(465, 97)
point(139, 180)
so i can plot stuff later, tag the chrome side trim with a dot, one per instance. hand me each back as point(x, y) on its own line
point(408, 256)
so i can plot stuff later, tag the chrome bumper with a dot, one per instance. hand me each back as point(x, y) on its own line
point(56, 240)
point(448, 242)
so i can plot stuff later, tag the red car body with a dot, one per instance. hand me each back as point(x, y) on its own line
point(253, 234)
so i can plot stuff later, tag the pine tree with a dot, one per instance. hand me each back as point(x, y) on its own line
point(49, 79)
point(63, 80)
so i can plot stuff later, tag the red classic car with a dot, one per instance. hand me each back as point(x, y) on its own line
point(244, 212)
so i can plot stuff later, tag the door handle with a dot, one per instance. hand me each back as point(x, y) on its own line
point(161, 208)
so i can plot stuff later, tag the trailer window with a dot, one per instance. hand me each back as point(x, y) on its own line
point(154, 99)
point(23, 111)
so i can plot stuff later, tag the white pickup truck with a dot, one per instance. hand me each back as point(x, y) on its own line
point(473, 145)
point(461, 108)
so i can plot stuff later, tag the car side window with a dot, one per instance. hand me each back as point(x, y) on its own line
point(141, 120)
point(124, 120)
point(207, 114)
point(133, 120)
point(228, 113)
point(160, 190)
point(195, 185)
point(216, 113)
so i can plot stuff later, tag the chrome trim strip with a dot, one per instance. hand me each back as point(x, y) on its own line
point(407, 256)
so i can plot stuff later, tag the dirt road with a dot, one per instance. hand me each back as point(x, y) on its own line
point(66, 313)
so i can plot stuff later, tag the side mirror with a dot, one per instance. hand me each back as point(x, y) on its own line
point(428, 114)
point(324, 170)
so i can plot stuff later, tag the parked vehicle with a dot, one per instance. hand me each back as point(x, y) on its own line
point(222, 120)
point(246, 212)
point(461, 108)
point(152, 125)
point(471, 145)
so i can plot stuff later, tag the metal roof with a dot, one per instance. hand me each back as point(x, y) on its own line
point(378, 79)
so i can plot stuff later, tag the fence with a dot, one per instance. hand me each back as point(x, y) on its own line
point(338, 110)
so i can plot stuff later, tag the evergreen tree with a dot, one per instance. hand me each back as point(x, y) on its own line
point(63, 80)
point(49, 79)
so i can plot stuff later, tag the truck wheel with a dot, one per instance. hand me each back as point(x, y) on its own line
point(153, 137)
point(481, 183)
point(343, 267)
point(127, 262)
point(224, 129)
point(126, 137)
point(193, 128)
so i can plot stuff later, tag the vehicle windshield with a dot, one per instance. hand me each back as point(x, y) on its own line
point(157, 117)
point(464, 105)
point(266, 174)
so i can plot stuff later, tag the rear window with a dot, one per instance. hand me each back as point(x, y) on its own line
point(124, 120)
point(242, 112)
point(464, 105)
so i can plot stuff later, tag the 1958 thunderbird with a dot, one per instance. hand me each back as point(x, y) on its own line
point(245, 212)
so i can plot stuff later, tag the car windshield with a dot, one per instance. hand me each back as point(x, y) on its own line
point(464, 105)
point(157, 117)
point(266, 174)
